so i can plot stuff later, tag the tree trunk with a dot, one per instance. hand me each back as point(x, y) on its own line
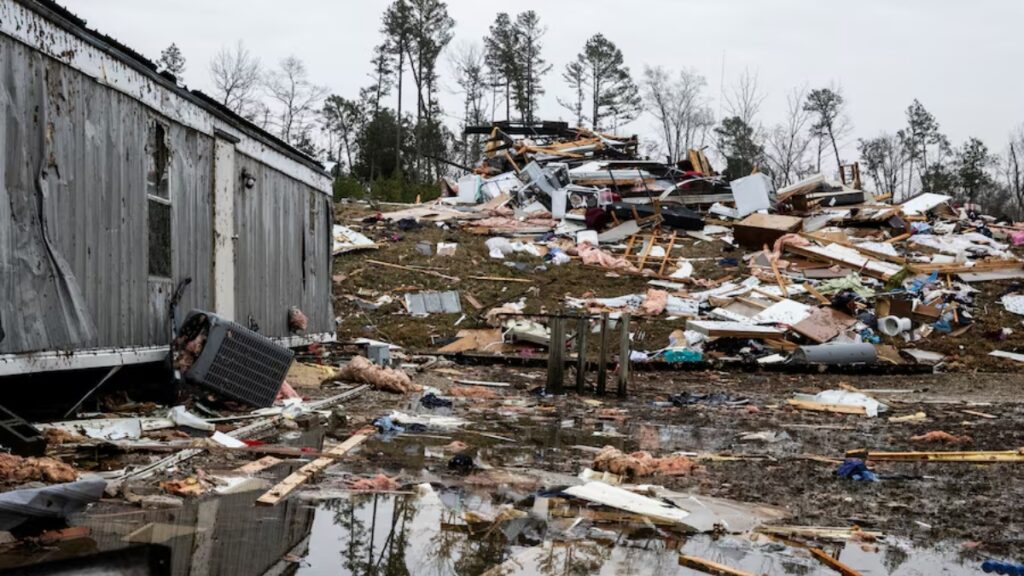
point(835, 148)
point(401, 76)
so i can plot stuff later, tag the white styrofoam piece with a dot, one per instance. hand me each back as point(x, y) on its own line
point(787, 312)
point(620, 499)
point(752, 193)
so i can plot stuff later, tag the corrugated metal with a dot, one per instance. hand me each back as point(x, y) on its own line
point(283, 251)
point(95, 206)
point(83, 282)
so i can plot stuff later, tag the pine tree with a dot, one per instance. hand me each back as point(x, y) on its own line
point(531, 65)
point(614, 96)
point(501, 47)
point(172, 61)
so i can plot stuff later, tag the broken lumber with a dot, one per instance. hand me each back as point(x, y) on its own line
point(832, 563)
point(818, 532)
point(709, 567)
point(273, 496)
point(247, 431)
point(978, 456)
point(483, 383)
point(411, 269)
point(501, 279)
point(820, 407)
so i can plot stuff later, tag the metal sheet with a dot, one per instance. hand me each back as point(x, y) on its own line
point(87, 141)
point(423, 303)
point(283, 251)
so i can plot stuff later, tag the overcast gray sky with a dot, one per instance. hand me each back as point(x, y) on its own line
point(962, 60)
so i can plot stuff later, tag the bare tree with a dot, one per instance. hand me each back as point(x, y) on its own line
point(236, 77)
point(884, 158)
point(1012, 169)
point(295, 100)
point(745, 98)
point(469, 68)
point(831, 124)
point(679, 106)
point(786, 144)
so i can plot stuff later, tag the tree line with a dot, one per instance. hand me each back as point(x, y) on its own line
point(380, 147)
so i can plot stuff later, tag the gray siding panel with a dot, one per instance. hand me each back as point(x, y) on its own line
point(282, 251)
point(92, 141)
point(80, 147)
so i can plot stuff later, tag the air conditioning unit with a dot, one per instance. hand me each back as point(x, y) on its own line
point(234, 361)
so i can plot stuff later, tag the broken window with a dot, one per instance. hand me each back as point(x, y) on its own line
point(158, 199)
point(157, 159)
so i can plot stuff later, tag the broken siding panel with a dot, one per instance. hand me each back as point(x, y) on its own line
point(43, 306)
point(191, 181)
point(95, 206)
point(281, 236)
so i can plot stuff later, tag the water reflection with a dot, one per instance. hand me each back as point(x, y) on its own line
point(446, 532)
point(392, 535)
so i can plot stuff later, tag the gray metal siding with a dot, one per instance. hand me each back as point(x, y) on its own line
point(89, 143)
point(283, 251)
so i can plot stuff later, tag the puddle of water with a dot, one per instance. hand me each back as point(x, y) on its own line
point(401, 534)
point(386, 535)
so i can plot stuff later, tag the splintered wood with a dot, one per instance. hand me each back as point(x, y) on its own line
point(273, 496)
point(832, 563)
point(709, 567)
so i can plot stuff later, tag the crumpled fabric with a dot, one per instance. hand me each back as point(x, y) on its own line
point(433, 401)
point(857, 470)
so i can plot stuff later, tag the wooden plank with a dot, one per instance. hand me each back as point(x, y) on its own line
point(980, 414)
point(709, 567)
point(473, 301)
point(501, 279)
point(998, 456)
point(668, 254)
point(257, 466)
point(483, 383)
point(817, 295)
point(832, 563)
point(820, 407)
point(285, 487)
point(819, 532)
point(647, 249)
point(410, 269)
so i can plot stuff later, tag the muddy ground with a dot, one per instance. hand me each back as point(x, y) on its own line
point(974, 506)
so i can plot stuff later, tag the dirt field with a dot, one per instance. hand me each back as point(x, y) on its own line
point(546, 290)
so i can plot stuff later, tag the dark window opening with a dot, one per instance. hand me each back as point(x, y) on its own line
point(158, 194)
point(157, 158)
point(159, 239)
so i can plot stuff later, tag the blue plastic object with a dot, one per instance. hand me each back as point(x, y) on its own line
point(993, 566)
point(675, 355)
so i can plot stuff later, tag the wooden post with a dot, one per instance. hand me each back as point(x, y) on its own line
point(582, 328)
point(602, 361)
point(556, 349)
point(624, 356)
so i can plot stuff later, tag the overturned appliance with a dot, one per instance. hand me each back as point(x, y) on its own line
point(230, 359)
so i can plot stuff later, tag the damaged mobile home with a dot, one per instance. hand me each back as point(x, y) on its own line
point(118, 186)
